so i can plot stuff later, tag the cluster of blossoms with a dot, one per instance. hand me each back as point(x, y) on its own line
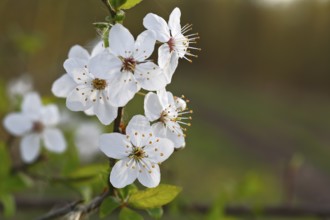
point(100, 82)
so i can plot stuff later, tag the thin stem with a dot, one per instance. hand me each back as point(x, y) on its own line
point(111, 11)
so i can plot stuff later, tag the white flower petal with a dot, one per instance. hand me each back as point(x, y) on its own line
point(150, 76)
point(174, 22)
point(121, 40)
point(98, 48)
point(115, 145)
point(104, 111)
point(164, 55)
point(73, 66)
point(78, 52)
point(17, 123)
point(50, 115)
point(170, 68)
point(103, 65)
point(180, 104)
point(159, 150)
point(175, 135)
point(79, 99)
point(163, 97)
point(31, 105)
point(90, 111)
point(63, 86)
point(139, 130)
point(123, 88)
point(144, 45)
point(158, 25)
point(30, 147)
point(54, 140)
point(152, 107)
point(123, 175)
point(149, 175)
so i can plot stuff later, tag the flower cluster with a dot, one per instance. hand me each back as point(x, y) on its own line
point(102, 82)
point(107, 79)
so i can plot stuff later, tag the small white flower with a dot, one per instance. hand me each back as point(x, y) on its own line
point(86, 140)
point(139, 152)
point(168, 112)
point(35, 123)
point(132, 69)
point(86, 86)
point(65, 84)
point(176, 43)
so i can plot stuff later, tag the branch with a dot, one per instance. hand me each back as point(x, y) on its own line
point(76, 207)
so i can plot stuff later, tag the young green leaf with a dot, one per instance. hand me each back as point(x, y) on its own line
point(129, 214)
point(108, 206)
point(154, 197)
point(129, 4)
point(116, 4)
point(156, 213)
point(127, 190)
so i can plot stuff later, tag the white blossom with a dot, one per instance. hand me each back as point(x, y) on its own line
point(139, 153)
point(36, 123)
point(132, 69)
point(169, 113)
point(86, 84)
point(177, 44)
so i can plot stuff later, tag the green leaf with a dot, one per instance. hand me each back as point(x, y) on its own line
point(108, 206)
point(87, 174)
point(8, 203)
point(116, 4)
point(156, 213)
point(129, 214)
point(127, 191)
point(154, 197)
point(129, 4)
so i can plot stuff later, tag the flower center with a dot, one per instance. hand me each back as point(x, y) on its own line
point(99, 84)
point(38, 127)
point(171, 44)
point(138, 153)
point(129, 64)
point(169, 114)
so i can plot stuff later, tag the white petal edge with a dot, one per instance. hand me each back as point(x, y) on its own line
point(114, 145)
point(30, 147)
point(31, 104)
point(149, 178)
point(144, 45)
point(157, 24)
point(63, 86)
point(121, 40)
point(17, 124)
point(152, 107)
point(78, 52)
point(139, 130)
point(54, 140)
point(122, 175)
point(174, 22)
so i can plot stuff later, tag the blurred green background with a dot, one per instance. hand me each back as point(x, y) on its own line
point(259, 89)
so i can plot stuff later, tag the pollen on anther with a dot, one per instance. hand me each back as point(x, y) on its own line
point(136, 133)
point(161, 154)
point(150, 134)
point(157, 140)
point(77, 89)
point(149, 171)
point(150, 142)
point(153, 166)
point(156, 149)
